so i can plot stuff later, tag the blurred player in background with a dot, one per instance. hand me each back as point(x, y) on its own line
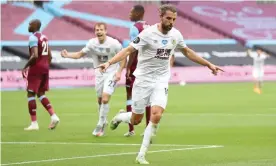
point(156, 45)
point(258, 68)
point(136, 15)
point(102, 48)
point(37, 73)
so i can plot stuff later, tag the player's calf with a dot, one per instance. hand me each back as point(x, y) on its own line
point(136, 118)
point(148, 112)
point(32, 112)
point(47, 105)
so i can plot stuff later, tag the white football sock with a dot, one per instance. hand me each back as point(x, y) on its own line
point(103, 114)
point(150, 129)
point(99, 108)
point(54, 117)
point(124, 117)
point(34, 123)
point(105, 111)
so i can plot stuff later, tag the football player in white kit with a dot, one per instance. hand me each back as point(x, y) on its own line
point(258, 68)
point(155, 44)
point(102, 48)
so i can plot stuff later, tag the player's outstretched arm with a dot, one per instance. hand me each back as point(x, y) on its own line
point(73, 55)
point(119, 72)
point(197, 59)
point(118, 57)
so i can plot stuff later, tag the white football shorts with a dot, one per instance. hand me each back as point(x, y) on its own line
point(258, 74)
point(146, 93)
point(105, 83)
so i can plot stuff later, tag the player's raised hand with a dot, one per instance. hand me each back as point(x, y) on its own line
point(215, 69)
point(64, 53)
point(103, 66)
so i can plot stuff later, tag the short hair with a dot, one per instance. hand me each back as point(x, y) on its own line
point(139, 9)
point(99, 24)
point(37, 22)
point(166, 7)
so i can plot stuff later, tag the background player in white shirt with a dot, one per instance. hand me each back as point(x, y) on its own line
point(155, 44)
point(258, 68)
point(102, 48)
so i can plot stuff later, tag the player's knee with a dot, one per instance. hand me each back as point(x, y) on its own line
point(156, 115)
point(128, 96)
point(99, 100)
point(105, 99)
point(30, 94)
point(39, 94)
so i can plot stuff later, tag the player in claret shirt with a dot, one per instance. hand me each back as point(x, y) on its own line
point(37, 73)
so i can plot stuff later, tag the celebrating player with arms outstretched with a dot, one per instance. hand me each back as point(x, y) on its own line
point(102, 48)
point(155, 44)
point(37, 73)
point(258, 68)
point(136, 15)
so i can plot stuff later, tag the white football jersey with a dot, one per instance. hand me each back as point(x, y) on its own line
point(155, 50)
point(258, 60)
point(101, 53)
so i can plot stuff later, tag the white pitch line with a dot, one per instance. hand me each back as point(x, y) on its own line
point(186, 114)
point(91, 143)
point(108, 155)
point(217, 114)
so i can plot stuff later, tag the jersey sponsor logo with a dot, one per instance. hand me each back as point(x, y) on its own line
point(164, 42)
point(103, 58)
point(163, 54)
point(136, 40)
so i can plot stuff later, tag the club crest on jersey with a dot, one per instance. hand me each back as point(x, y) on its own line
point(136, 40)
point(173, 41)
point(101, 49)
point(164, 42)
point(107, 49)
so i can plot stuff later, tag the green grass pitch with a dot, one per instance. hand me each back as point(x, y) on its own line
point(204, 125)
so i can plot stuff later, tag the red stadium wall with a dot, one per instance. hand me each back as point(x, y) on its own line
point(13, 16)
